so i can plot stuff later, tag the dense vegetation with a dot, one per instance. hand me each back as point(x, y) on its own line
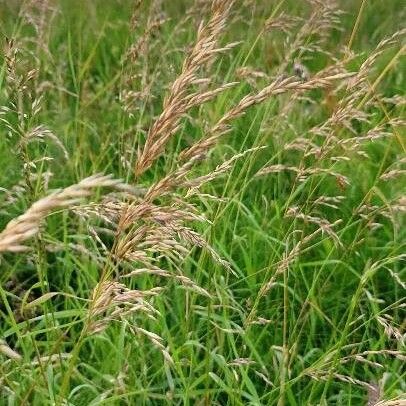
point(202, 202)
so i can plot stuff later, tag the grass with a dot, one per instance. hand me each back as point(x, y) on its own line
point(247, 247)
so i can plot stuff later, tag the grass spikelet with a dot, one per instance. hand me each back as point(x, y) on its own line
point(179, 101)
point(27, 225)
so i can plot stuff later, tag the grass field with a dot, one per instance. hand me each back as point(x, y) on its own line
point(202, 203)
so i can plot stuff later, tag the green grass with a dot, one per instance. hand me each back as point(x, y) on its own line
point(328, 304)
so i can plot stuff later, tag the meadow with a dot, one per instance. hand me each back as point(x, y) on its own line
point(202, 202)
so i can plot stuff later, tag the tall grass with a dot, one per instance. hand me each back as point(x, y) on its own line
point(202, 203)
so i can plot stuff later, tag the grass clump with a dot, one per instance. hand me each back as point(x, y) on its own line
point(202, 203)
